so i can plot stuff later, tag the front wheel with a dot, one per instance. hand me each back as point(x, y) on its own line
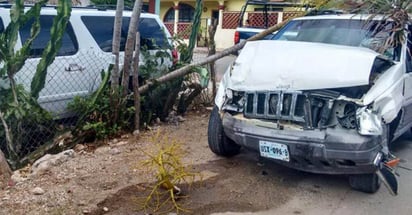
point(219, 143)
point(368, 183)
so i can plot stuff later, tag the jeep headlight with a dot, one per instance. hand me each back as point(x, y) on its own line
point(235, 101)
point(368, 122)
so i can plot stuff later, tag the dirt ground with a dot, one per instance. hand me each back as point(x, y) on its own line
point(108, 179)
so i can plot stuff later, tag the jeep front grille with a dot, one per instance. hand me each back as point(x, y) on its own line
point(310, 109)
point(275, 105)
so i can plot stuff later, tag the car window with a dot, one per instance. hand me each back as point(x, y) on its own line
point(101, 28)
point(152, 34)
point(368, 34)
point(69, 44)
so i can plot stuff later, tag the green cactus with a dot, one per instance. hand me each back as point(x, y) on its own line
point(19, 109)
point(56, 33)
point(14, 60)
point(187, 57)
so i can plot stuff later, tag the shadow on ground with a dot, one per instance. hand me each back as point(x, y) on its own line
point(239, 184)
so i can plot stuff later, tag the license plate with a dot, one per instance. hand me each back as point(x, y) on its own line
point(272, 150)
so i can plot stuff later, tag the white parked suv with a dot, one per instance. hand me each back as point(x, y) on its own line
point(84, 53)
point(319, 98)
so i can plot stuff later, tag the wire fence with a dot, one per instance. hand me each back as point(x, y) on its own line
point(67, 77)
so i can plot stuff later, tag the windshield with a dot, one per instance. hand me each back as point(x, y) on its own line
point(358, 33)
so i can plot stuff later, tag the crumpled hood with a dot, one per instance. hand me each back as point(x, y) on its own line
point(285, 65)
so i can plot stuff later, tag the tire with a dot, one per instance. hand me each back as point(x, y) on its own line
point(219, 143)
point(368, 183)
point(392, 127)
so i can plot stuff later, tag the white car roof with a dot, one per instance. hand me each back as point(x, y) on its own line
point(88, 11)
point(342, 16)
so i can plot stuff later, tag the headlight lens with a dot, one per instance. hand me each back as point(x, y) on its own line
point(234, 101)
point(368, 122)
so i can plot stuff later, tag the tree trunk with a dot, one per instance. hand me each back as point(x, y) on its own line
point(136, 93)
point(9, 141)
point(5, 171)
point(131, 38)
point(188, 68)
point(13, 87)
point(117, 33)
point(212, 51)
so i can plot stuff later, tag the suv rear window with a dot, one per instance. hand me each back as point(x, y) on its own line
point(69, 44)
point(101, 28)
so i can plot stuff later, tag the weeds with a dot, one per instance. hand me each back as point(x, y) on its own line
point(166, 165)
point(97, 119)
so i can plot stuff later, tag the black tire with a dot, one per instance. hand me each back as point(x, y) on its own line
point(368, 183)
point(219, 143)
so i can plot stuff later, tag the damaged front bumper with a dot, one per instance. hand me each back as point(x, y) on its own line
point(330, 151)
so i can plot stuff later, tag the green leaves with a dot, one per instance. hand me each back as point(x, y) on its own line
point(14, 60)
point(56, 32)
point(203, 76)
point(186, 57)
point(22, 116)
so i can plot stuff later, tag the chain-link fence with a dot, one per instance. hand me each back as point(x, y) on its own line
point(34, 108)
point(69, 76)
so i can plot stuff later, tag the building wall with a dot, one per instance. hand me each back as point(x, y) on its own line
point(210, 6)
point(164, 7)
point(234, 5)
point(223, 37)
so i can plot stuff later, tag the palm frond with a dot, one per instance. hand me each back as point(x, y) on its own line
point(395, 12)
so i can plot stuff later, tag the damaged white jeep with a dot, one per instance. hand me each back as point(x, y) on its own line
point(326, 95)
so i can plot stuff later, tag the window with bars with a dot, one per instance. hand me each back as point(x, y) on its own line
point(186, 13)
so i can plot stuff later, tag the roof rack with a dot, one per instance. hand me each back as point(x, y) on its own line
point(316, 12)
point(5, 4)
point(276, 3)
point(104, 7)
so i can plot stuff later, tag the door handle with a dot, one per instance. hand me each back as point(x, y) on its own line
point(74, 67)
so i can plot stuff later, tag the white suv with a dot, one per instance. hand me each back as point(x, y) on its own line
point(319, 98)
point(84, 53)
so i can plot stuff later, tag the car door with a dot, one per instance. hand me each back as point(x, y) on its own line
point(407, 106)
point(71, 73)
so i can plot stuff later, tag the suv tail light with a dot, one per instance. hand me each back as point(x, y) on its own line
point(175, 56)
point(237, 37)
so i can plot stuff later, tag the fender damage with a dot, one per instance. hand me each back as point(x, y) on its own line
point(337, 104)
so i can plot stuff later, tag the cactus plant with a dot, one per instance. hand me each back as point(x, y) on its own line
point(18, 109)
point(56, 32)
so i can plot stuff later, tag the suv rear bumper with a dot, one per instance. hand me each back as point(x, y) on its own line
point(329, 151)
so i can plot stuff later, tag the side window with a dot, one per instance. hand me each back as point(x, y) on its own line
point(101, 28)
point(409, 51)
point(69, 44)
point(152, 35)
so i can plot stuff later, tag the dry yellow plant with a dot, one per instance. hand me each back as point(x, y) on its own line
point(165, 162)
